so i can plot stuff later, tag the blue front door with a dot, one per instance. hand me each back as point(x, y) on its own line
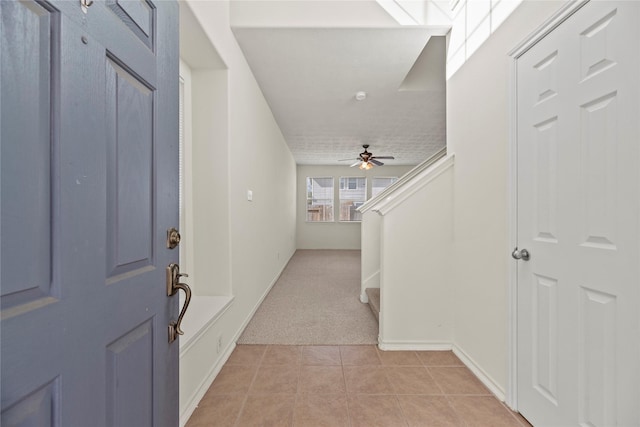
point(88, 115)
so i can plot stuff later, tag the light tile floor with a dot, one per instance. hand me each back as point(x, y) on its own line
point(351, 386)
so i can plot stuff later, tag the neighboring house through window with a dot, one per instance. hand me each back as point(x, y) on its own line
point(353, 193)
point(319, 199)
point(379, 183)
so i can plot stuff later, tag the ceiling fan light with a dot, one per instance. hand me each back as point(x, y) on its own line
point(362, 166)
point(366, 166)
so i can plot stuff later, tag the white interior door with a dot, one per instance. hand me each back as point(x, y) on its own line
point(578, 216)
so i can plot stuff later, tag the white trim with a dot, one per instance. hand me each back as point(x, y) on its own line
point(400, 182)
point(264, 295)
point(411, 345)
point(217, 306)
point(333, 199)
point(549, 25)
point(511, 394)
point(186, 216)
point(363, 286)
point(479, 373)
point(475, 368)
point(363, 283)
point(411, 187)
point(205, 384)
point(215, 369)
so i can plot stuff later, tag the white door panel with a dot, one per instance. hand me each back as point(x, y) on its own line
point(578, 213)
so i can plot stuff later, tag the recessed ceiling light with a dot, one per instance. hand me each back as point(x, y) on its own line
point(361, 95)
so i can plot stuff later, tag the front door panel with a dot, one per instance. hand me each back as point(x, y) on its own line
point(89, 188)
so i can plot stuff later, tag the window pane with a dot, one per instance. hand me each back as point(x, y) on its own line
point(380, 183)
point(353, 193)
point(319, 199)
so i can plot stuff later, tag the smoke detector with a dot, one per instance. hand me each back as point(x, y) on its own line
point(361, 95)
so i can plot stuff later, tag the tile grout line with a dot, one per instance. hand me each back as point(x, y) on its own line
point(246, 396)
point(434, 380)
point(455, 411)
point(513, 414)
point(395, 395)
point(387, 370)
point(346, 391)
point(298, 391)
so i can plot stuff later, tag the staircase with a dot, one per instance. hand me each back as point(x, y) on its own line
point(408, 255)
point(373, 295)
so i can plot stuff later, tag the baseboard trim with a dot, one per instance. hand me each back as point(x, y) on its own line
point(364, 298)
point(222, 304)
point(257, 305)
point(480, 373)
point(413, 345)
point(217, 366)
point(373, 281)
point(205, 384)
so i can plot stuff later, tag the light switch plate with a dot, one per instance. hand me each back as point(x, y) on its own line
point(249, 195)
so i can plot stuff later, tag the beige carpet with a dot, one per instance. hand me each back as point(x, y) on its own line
point(316, 301)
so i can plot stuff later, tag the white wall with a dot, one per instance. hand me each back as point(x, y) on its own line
point(333, 235)
point(210, 183)
point(416, 237)
point(309, 14)
point(478, 133)
point(370, 255)
point(241, 246)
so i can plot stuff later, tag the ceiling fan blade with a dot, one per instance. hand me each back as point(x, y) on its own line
point(383, 157)
point(355, 164)
point(347, 160)
point(375, 162)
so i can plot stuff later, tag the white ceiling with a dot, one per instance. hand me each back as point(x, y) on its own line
point(309, 77)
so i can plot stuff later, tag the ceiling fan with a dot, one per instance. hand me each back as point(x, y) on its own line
point(366, 160)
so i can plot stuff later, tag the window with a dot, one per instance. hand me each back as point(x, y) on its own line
point(380, 183)
point(353, 193)
point(349, 183)
point(319, 199)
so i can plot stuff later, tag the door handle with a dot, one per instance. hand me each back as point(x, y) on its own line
point(173, 286)
point(522, 254)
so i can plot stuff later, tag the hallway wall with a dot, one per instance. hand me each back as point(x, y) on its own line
point(478, 134)
point(415, 270)
point(261, 233)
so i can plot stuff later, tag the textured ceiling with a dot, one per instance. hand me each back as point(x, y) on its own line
point(309, 77)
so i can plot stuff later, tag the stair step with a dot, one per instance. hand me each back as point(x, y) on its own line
point(373, 294)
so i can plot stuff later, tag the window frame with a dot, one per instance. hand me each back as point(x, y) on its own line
point(309, 198)
point(347, 187)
